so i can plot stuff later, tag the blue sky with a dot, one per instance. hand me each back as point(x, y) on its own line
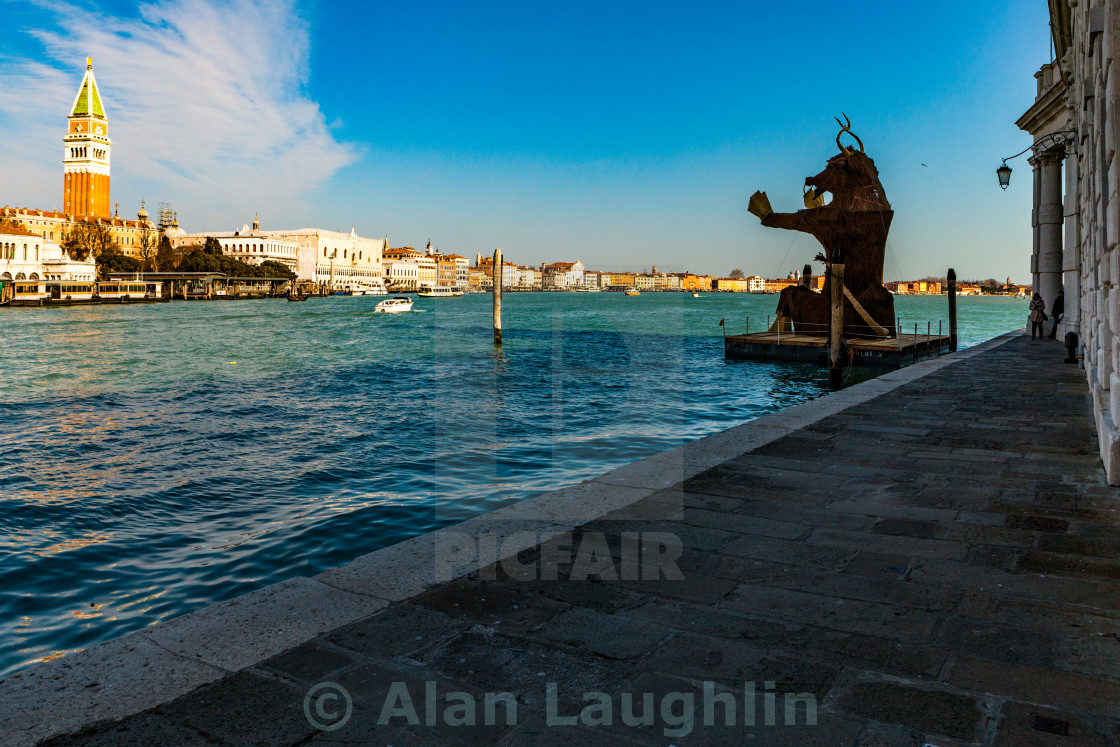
point(625, 134)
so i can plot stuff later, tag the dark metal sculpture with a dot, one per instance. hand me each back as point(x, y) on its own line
point(855, 222)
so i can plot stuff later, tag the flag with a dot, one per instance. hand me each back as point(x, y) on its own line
point(721, 322)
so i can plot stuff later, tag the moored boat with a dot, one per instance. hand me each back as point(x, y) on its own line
point(374, 287)
point(439, 291)
point(633, 292)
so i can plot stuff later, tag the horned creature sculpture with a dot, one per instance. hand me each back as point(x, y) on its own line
point(855, 222)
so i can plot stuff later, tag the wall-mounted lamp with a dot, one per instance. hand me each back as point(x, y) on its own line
point(1053, 140)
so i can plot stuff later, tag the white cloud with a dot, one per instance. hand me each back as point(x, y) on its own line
point(206, 108)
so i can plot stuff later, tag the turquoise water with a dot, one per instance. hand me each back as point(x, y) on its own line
point(160, 458)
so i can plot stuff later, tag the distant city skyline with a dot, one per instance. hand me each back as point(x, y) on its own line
point(627, 135)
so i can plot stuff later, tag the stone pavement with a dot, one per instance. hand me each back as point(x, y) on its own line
point(937, 565)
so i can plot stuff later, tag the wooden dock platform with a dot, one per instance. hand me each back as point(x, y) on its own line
point(891, 352)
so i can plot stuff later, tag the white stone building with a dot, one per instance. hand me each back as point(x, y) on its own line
point(462, 270)
point(401, 274)
point(25, 255)
point(248, 245)
point(562, 275)
point(1075, 125)
point(335, 260)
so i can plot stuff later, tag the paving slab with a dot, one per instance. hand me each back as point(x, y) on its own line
point(107, 682)
point(235, 634)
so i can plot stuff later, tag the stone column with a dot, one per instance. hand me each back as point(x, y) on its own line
point(1050, 219)
point(1071, 254)
point(1036, 176)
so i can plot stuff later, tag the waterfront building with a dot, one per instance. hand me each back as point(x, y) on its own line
point(693, 283)
point(403, 252)
point(517, 276)
point(562, 275)
point(731, 285)
point(85, 181)
point(532, 278)
point(335, 260)
point(401, 274)
point(427, 269)
point(776, 285)
point(645, 282)
point(477, 278)
point(248, 245)
point(914, 287)
point(513, 275)
point(621, 280)
point(755, 284)
point(462, 270)
point(451, 269)
point(25, 255)
point(52, 225)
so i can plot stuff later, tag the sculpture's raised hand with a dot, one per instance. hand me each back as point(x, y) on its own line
point(760, 205)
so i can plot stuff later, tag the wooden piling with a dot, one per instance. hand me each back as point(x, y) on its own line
point(497, 296)
point(836, 325)
point(951, 281)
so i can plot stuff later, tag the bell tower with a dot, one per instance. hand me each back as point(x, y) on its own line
point(85, 156)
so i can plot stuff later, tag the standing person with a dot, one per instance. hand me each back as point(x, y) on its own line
point(1058, 312)
point(1037, 316)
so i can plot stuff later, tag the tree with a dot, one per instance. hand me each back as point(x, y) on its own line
point(277, 269)
point(736, 273)
point(166, 259)
point(88, 239)
point(148, 241)
point(108, 262)
point(212, 247)
point(200, 261)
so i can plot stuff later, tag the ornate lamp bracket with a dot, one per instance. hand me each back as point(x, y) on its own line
point(1064, 139)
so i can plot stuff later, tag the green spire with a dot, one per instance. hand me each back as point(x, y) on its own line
point(88, 101)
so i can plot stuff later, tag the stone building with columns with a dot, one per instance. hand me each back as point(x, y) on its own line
point(1074, 124)
point(246, 244)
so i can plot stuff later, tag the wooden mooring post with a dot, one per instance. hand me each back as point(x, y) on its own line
point(497, 296)
point(951, 281)
point(836, 326)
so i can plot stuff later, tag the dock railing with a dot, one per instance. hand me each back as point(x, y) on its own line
point(918, 343)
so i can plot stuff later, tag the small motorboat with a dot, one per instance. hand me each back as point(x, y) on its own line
point(633, 292)
point(394, 305)
point(696, 295)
